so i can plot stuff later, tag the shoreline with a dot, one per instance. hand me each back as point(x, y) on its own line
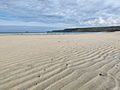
point(45, 33)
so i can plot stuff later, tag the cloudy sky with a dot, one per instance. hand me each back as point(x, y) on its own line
point(60, 13)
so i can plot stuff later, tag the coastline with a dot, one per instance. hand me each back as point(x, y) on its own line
point(48, 33)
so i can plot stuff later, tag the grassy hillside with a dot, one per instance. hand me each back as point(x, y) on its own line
point(91, 29)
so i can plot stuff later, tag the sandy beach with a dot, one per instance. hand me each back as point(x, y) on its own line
point(60, 62)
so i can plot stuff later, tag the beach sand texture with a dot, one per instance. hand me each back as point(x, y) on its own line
point(60, 62)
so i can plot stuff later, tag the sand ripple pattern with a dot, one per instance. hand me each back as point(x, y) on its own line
point(60, 62)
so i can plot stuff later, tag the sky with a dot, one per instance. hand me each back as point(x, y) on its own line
point(60, 13)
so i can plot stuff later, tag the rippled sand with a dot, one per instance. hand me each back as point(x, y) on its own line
point(60, 62)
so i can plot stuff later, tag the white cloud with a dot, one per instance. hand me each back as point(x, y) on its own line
point(67, 12)
point(110, 21)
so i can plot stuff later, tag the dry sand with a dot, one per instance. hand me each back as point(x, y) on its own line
point(60, 62)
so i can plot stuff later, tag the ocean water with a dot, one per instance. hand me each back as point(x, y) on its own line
point(45, 33)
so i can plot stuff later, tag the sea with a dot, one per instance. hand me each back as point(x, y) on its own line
point(45, 33)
